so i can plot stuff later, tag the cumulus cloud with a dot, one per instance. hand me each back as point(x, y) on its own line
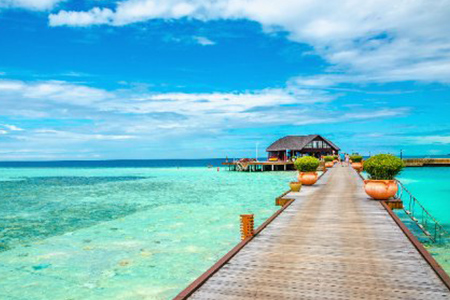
point(95, 16)
point(29, 4)
point(371, 40)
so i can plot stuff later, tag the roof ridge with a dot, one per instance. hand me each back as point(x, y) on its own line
point(297, 141)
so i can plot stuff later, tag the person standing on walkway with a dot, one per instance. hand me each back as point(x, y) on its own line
point(347, 159)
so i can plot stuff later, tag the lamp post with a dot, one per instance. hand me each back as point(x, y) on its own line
point(401, 153)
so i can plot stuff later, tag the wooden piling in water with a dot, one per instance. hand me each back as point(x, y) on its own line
point(247, 226)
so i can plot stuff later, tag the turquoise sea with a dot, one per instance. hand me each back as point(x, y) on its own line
point(121, 232)
point(431, 186)
point(141, 229)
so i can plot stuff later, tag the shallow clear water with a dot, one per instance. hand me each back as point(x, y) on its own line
point(431, 186)
point(139, 232)
point(121, 233)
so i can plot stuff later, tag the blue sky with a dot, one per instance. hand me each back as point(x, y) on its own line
point(197, 79)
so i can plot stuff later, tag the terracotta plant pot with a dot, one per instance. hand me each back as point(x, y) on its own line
point(308, 178)
point(381, 189)
point(329, 164)
point(357, 166)
point(295, 186)
point(335, 161)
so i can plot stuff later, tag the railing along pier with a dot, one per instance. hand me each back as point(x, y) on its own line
point(420, 216)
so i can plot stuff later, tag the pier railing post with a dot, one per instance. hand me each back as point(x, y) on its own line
point(247, 226)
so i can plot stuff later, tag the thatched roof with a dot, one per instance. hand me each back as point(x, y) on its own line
point(297, 142)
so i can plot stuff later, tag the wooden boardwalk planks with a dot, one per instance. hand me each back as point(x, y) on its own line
point(331, 243)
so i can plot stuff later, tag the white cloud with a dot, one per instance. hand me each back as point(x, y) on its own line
point(382, 113)
point(93, 17)
point(204, 41)
point(309, 117)
point(109, 120)
point(65, 136)
point(129, 114)
point(12, 127)
point(431, 139)
point(370, 40)
point(75, 74)
point(10, 85)
point(30, 4)
point(54, 91)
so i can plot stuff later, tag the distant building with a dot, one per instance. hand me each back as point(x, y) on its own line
point(300, 145)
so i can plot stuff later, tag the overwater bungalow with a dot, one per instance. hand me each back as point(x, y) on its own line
point(299, 145)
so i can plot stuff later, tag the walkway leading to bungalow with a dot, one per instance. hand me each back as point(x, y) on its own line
point(331, 243)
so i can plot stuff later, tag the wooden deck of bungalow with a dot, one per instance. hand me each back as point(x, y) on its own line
point(331, 242)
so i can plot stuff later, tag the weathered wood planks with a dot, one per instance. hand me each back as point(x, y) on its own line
point(331, 243)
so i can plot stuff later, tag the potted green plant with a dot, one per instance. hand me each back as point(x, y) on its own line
point(329, 161)
point(335, 158)
point(307, 167)
point(382, 169)
point(357, 162)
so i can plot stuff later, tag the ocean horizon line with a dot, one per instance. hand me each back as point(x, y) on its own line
point(180, 159)
point(140, 163)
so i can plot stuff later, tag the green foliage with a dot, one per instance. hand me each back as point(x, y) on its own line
point(328, 158)
point(306, 164)
point(336, 157)
point(356, 158)
point(383, 166)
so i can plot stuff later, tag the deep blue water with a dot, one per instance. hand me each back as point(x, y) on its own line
point(125, 163)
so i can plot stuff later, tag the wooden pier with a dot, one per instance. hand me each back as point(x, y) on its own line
point(256, 166)
point(281, 165)
point(426, 162)
point(260, 166)
point(331, 242)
